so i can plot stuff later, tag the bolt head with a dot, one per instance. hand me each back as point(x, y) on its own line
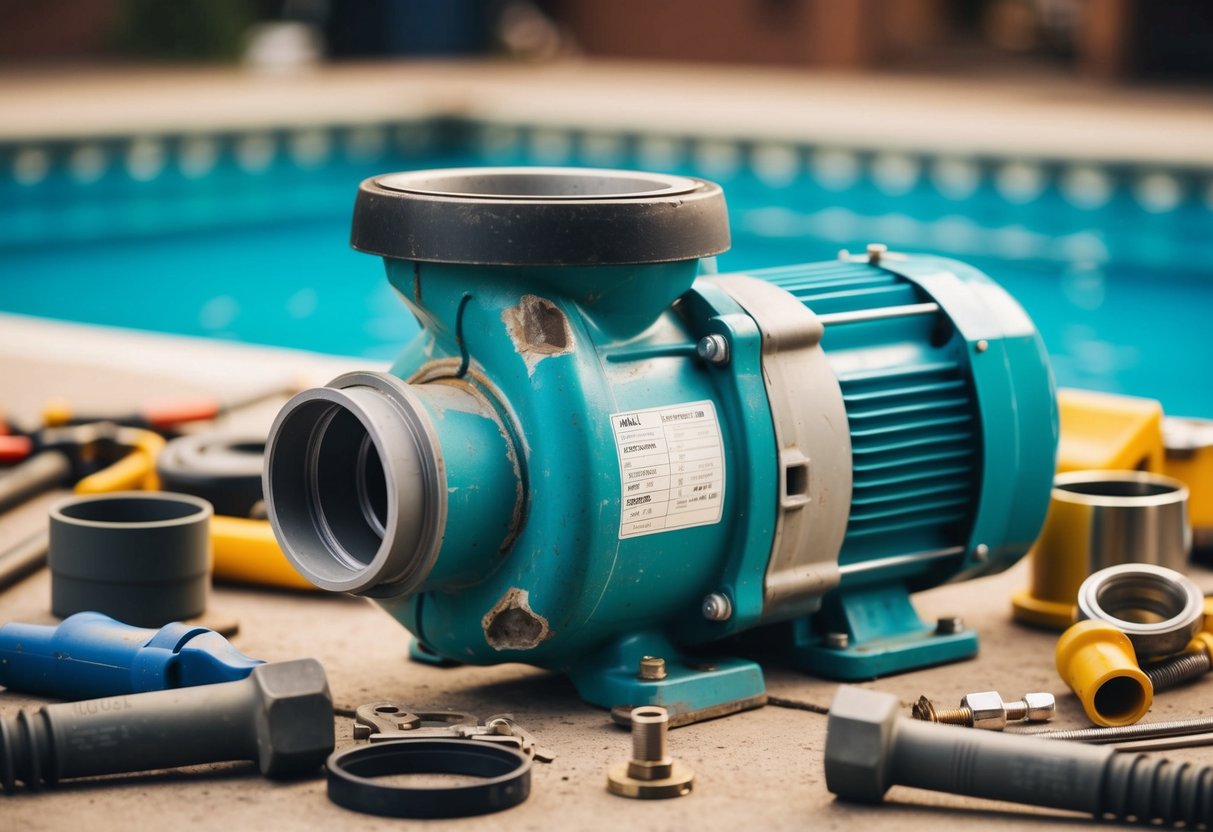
point(717, 607)
point(713, 348)
point(859, 743)
point(837, 641)
point(949, 625)
point(652, 669)
point(1041, 706)
point(294, 718)
point(988, 709)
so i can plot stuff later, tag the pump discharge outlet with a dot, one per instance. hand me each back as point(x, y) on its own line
point(596, 460)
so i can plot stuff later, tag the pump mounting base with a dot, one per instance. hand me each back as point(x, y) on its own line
point(691, 689)
point(883, 636)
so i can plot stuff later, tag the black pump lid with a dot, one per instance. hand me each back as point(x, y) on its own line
point(539, 217)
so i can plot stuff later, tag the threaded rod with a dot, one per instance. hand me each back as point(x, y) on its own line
point(1140, 731)
point(1179, 669)
point(649, 727)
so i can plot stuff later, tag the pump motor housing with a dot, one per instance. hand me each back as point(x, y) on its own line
point(596, 451)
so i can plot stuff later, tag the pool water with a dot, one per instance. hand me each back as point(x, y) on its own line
point(245, 236)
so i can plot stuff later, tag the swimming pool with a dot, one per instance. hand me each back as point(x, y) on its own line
point(244, 236)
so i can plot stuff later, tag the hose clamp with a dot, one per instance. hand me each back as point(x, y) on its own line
point(1158, 608)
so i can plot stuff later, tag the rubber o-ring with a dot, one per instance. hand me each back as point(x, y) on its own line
point(505, 773)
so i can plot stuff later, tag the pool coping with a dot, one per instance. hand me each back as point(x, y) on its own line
point(1033, 118)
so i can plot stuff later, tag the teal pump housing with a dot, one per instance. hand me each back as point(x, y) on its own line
point(596, 453)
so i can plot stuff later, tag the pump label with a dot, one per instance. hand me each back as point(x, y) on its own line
point(671, 465)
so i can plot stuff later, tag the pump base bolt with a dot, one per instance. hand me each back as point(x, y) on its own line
point(651, 774)
point(652, 669)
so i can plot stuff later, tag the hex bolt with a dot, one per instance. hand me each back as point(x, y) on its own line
point(717, 607)
point(987, 710)
point(870, 748)
point(650, 774)
point(949, 625)
point(837, 641)
point(652, 669)
point(713, 348)
point(280, 717)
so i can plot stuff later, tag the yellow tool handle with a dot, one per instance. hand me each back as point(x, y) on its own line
point(134, 472)
point(246, 551)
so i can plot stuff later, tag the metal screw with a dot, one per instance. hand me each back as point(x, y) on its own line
point(987, 710)
point(281, 717)
point(837, 641)
point(717, 607)
point(949, 625)
point(713, 348)
point(981, 552)
point(652, 669)
point(982, 345)
point(869, 748)
point(651, 773)
point(1175, 671)
point(876, 251)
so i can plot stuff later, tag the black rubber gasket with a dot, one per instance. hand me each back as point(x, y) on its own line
point(539, 217)
point(222, 468)
point(352, 777)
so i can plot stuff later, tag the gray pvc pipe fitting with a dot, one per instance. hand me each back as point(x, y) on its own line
point(141, 557)
point(1159, 609)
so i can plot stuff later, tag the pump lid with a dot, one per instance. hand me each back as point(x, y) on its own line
point(539, 217)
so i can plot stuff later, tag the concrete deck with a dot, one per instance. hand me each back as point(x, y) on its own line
point(1036, 117)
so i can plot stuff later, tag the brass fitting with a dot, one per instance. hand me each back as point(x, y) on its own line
point(1098, 663)
point(651, 773)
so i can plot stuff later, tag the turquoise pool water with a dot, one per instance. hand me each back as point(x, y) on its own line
point(244, 236)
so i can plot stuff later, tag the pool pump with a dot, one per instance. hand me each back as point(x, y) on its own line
point(597, 457)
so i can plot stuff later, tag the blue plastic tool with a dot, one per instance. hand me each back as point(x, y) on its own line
point(91, 655)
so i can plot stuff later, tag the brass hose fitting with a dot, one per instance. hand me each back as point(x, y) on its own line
point(1097, 661)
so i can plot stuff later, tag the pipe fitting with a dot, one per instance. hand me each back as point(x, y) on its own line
point(1098, 519)
point(1097, 661)
point(1159, 609)
point(362, 497)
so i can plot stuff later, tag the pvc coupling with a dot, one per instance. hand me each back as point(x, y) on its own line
point(368, 478)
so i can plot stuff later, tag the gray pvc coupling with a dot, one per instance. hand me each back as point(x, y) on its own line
point(143, 558)
point(355, 486)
